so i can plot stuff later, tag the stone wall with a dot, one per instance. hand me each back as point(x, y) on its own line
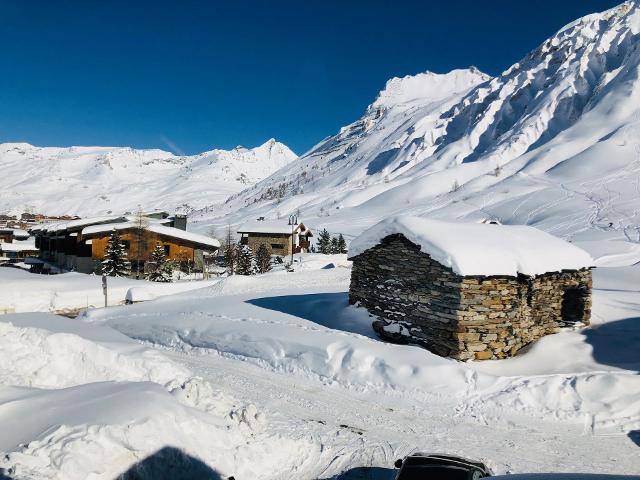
point(418, 300)
point(255, 240)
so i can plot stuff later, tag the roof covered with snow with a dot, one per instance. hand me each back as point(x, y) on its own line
point(155, 228)
point(18, 247)
point(480, 249)
point(82, 222)
point(270, 226)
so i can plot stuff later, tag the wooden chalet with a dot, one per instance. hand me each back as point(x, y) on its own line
point(81, 245)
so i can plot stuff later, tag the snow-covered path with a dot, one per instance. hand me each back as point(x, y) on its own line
point(363, 433)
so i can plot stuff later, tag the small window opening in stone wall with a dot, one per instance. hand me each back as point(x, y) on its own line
point(526, 289)
point(573, 304)
point(529, 293)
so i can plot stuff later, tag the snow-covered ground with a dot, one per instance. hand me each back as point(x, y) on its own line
point(22, 291)
point(276, 377)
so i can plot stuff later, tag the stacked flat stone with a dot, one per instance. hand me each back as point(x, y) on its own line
point(463, 317)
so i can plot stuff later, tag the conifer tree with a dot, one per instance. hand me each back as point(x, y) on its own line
point(246, 261)
point(324, 242)
point(115, 263)
point(162, 269)
point(333, 246)
point(230, 253)
point(342, 244)
point(263, 258)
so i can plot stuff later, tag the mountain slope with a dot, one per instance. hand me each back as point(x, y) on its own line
point(554, 141)
point(92, 180)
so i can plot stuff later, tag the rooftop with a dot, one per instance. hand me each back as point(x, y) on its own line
point(156, 228)
point(269, 226)
point(480, 249)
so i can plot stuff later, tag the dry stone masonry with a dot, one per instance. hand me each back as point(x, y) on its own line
point(418, 300)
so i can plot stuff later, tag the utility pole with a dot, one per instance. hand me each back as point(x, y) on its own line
point(293, 221)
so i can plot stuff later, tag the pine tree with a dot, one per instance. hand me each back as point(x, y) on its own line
point(115, 263)
point(342, 245)
point(263, 258)
point(333, 246)
point(230, 253)
point(162, 269)
point(140, 237)
point(246, 261)
point(324, 242)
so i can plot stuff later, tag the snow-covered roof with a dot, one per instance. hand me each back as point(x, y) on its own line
point(480, 249)
point(85, 222)
point(155, 228)
point(82, 222)
point(18, 247)
point(270, 226)
point(18, 232)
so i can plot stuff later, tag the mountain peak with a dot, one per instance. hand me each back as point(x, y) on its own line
point(428, 86)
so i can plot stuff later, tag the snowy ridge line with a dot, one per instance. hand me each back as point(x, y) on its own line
point(126, 177)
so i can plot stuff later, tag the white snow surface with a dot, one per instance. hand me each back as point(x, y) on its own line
point(27, 292)
point(478, 248)
point(267, 226)
point(86, 181)
point(321, 395)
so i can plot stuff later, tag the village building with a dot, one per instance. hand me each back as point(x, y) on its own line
point(468, 290)
point(9, 234)
point(281, 237)
point(81, 245)
point(18, 251)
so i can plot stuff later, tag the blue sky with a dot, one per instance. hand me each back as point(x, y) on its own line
point(188, 76)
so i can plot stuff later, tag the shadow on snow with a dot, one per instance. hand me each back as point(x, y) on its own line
point(170, 463)
point(326, 309)
point(616, 343)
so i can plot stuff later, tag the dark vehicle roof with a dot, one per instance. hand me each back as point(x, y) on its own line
point(435, 472)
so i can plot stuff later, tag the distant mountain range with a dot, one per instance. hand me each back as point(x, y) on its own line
point(87, 181)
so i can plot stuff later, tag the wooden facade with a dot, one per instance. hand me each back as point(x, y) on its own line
point(82, 245)
point(140, 246)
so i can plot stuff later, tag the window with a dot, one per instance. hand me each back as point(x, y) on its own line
point(127, 244)
point(167, 249)
point(277, 246)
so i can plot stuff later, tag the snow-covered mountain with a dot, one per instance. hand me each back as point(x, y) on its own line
point(87, 181)
point(554, 141)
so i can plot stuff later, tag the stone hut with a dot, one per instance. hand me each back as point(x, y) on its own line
point(468, 290)
point(281, 237)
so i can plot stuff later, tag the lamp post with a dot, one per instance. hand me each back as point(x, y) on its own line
point(293, 221)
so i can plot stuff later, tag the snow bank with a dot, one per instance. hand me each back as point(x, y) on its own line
point(28, 292)
point(480, 249)
point(99, 430)
point(138, 294)
point(48, 351)
point(81, 401)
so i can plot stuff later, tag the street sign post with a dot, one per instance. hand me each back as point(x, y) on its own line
point(104, 289)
